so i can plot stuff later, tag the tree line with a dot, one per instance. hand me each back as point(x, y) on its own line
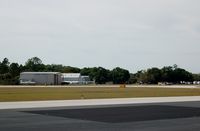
point(171, 74)
point(9, 73)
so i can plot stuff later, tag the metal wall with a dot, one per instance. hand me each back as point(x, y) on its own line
point(42, 79)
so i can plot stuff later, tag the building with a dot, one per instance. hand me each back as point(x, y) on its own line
point(75, 78)
point(196, 82)
point(40, 78)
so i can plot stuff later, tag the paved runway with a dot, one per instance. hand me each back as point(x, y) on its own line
point(94, 102)
point(173, 116)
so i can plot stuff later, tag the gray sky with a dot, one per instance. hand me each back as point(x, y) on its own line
point(132, 34)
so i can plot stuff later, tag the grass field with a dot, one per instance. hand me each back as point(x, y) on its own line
point(45, 93)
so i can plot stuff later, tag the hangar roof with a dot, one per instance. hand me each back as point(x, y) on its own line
point(46, 73)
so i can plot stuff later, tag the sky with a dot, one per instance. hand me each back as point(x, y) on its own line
point(132, 34)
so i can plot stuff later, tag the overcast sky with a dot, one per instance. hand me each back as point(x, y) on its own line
point(132, 34)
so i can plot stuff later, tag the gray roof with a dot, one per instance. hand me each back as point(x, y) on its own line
point(41, 73)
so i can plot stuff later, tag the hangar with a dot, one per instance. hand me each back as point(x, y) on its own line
point(75, 78)
point(53, 78)
point(40, 78)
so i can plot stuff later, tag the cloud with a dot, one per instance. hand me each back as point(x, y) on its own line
point(130, 33)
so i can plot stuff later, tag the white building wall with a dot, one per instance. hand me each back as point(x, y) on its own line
point(40, 78)
point(75, 78)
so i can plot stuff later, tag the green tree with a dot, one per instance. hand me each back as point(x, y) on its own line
point(4, 66)
point(196, 77)
point(34, 64)
point(167, 74)
point(153, 75)
point(14, 69)
point(181, 75)
point(54, 68)
point(101, 75)
point(69, 69)
point(142, 77)
point(120, 76)
point(91, 72)
point(133, 78)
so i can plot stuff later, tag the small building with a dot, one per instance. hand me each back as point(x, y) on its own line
point(196, 82)
point(40, 78)
point(75, 78)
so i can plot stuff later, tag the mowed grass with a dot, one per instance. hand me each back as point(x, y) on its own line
point(56, 93)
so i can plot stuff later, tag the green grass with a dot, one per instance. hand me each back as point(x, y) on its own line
point(45, 93)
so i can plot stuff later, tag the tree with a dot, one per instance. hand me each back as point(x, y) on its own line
point(153, 75)
point(102, 75)
point(141, 77)
point(14, 69)
point(196, 77)
point(133, 78)
point(120, 76)
point(69, 69)
point(35, 61)
point(4, 66)
point(34, 64)
point(181, 75)
point(91, 72)
point(85, 71)
point(54, 68)
point(166, 74)
point(6, 79)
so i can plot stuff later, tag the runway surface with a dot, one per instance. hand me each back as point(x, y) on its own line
point(167, 116)
point(95, 102)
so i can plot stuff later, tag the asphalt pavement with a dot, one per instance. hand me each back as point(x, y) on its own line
point(167, 116)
